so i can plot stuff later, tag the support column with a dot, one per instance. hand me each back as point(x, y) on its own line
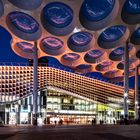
point(39, 103)
point(46, 107)
point(35, 82)
point(126, 80)
point(136, 93)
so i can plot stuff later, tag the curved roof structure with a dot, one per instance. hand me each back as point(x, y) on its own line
point(83, 34)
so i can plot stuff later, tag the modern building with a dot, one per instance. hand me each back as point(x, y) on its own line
point(85, 35)
point(61, 95)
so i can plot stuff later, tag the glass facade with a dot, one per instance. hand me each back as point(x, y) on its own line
point(54, 106)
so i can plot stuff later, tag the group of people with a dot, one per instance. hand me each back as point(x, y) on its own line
point(60, 122)
point(101, 121)
point(94, 121)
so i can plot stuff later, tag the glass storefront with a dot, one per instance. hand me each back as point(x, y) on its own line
point(78, 111)
point(61, 108)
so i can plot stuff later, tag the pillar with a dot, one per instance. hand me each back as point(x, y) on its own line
point(35, 84)
point(126, 80)
point(39, 102)
point(136, 93)
point(46, 107)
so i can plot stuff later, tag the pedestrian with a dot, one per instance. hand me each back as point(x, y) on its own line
point(92, 122)
point(55, 122)
point(114, 122)
point(61, 122)
point(45, 121)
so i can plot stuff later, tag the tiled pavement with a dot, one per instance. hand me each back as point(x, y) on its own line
point(81, 132)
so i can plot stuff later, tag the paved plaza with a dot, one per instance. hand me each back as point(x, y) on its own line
point(64, 132)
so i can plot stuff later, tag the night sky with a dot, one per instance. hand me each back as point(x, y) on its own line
point(8, 56)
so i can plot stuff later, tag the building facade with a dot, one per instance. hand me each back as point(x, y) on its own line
point(62, 95)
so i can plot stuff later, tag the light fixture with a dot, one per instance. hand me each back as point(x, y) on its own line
point(136, 102)
point(128, 101)
point(125, 94)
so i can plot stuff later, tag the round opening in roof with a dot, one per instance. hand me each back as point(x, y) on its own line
point(25, 46)
point(95, 11)
point(71, 56)
point(84, 68)
point(52, 45)
point(118, 53)
point(103, 66)
point(24, 49)
point(132, 6)
point(131, 12)
point(70, 59)
point(94, 56)
point(23, 25)
point(94, 15)
point(112, 74)
point(80, 41)
point(58, 18)
point(113, 36)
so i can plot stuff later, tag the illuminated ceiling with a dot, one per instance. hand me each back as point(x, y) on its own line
point(88, 35)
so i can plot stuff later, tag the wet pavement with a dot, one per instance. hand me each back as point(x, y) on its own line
point(71, 132)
